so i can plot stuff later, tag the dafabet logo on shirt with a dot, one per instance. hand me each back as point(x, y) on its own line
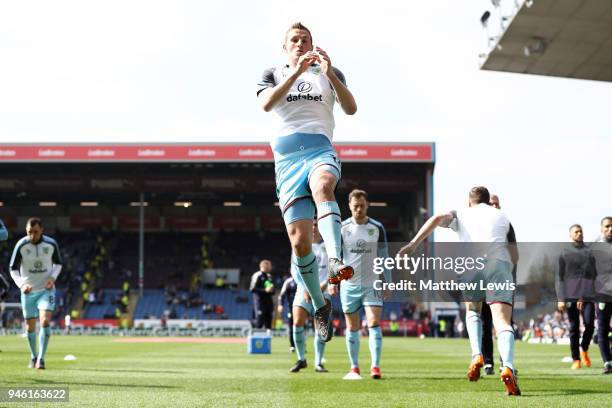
point(303, 88)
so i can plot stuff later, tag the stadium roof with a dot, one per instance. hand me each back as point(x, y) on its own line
point(209, 152)
point(564, 38)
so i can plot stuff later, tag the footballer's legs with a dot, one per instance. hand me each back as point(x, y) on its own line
point(319, 348)
point(353, 324)
point(44, 335)
point(322, 184)
point(573, 315)
point(373, 314)
point(299, 338)
point(588, 318)
point(473, 324)
point(604, 313)
point(31, 336)
point(300, 235)
point(487, 338)
point(290, 324)
point(502, 315)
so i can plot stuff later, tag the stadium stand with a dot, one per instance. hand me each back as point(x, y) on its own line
point(153, 304)
point(98, 265)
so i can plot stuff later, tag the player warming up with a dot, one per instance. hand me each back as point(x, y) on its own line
point(482, 223)
point(363, 240)
point(35, 265)
point(303, 93)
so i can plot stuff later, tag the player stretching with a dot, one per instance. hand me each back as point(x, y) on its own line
point(302, 308)
point(307, 168)
point(482, 223)
point(363, 240)
point(35, 266)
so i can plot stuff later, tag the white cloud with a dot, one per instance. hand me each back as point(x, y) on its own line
point(162, 71)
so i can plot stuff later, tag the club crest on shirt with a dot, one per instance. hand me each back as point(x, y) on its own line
point(46, 251)
point(371, 232)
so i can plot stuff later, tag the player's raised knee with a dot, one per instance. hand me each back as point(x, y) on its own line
point(324, 191)
point(322, 186)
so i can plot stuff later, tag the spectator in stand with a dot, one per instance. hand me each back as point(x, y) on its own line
point(220, 281)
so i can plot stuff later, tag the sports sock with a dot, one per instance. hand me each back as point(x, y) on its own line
point(308, 268)
point(32, 343)
point(352, 345)
point(329, 222)
point(43, 339)
point(299, 340)
point(473, 325)
point(375, 340)
point(505, 346)
point(319, 347)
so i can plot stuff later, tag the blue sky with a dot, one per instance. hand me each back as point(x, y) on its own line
point(185, 71)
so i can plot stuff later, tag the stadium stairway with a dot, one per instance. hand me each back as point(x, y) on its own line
point(79, 304)
point(129, 316)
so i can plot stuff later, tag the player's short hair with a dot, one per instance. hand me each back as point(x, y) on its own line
point(575, 226)
point(34, 221)
point(604, 219)
point(479, 195)
point(357, 194)
point(298, 26)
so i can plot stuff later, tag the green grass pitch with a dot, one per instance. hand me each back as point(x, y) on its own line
point(416, 373)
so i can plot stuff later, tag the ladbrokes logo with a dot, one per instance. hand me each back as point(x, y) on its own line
point(303, 88)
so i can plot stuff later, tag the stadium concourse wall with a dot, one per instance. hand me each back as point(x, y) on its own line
point(16, 185)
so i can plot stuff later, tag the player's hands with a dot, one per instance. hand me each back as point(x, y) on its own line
point(408, 249)
point(280, 309)
point(26, 288)
point(580, 305)
point(307, 297)
point(332, 289)
point(50, 284)
point(324, 60)
point(561, 306)
point(306, 61)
